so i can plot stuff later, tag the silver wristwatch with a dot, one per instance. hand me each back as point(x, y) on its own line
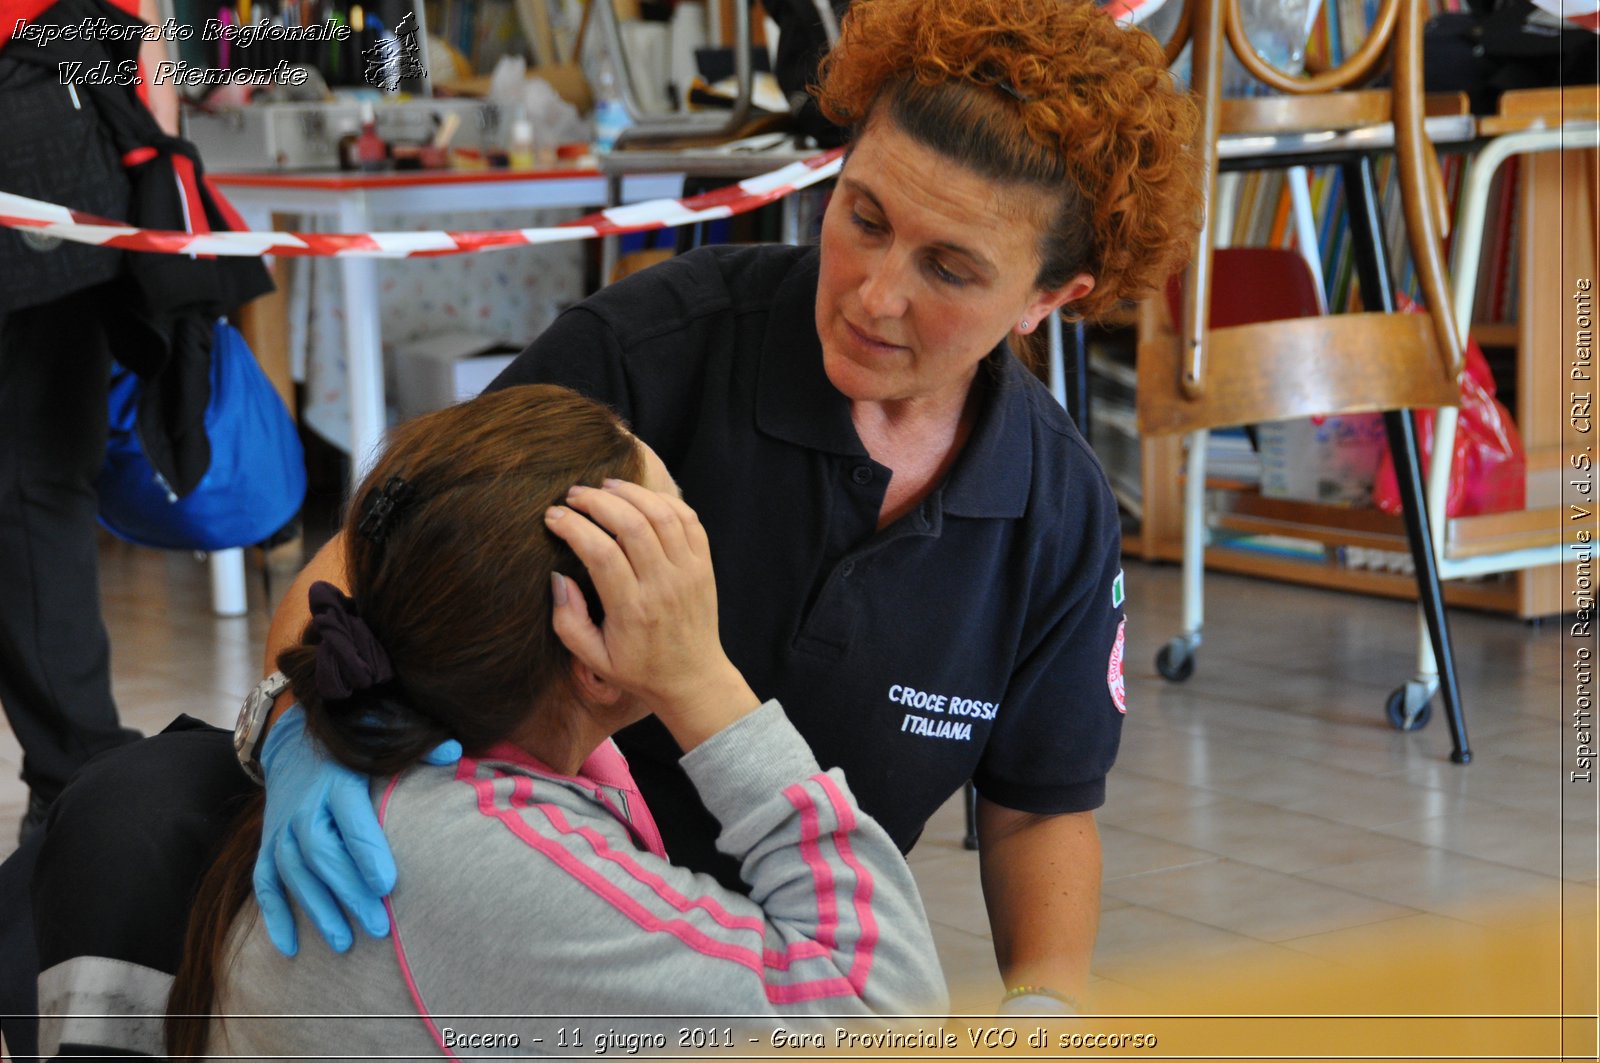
point(251, 729)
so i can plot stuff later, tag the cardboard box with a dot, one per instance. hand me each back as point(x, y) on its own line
point(1333, 459)
point(433, 372)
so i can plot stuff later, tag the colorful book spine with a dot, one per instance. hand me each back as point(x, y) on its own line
point(1511, 299)
point(1353, 25)
point(1330, 208)
point(1280, 235)
point(1318, 54)
point(1500, 245)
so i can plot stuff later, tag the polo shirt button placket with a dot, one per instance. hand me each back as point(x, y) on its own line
point(861, 474)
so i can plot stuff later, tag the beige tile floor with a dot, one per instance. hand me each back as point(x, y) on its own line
point(1264, 824)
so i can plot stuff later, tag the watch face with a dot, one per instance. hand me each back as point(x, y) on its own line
point(249, 730)
point(249, 716)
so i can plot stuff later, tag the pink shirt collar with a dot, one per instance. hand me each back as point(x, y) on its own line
point(605, 769)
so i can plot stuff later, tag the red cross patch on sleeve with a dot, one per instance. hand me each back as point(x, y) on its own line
point(1114, 680)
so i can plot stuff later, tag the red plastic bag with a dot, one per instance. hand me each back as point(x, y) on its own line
point(1489, 473)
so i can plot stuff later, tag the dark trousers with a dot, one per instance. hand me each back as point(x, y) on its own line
point(115, 871)
point(19, 956)
point(55, 659)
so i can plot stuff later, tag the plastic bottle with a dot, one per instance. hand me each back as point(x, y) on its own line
point(520, 148)
point(349, 134)
point(372, 152)
point(610, 113)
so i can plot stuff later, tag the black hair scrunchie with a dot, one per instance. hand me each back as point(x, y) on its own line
point(349, 658)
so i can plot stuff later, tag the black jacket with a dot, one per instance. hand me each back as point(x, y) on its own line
point(159, 307)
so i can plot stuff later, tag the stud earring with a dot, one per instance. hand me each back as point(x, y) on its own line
point(1024, 325)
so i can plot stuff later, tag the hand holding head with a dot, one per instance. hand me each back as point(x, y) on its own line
point(448, 570)
point(650, 562)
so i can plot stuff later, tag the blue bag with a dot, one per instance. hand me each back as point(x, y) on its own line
point(257, 477)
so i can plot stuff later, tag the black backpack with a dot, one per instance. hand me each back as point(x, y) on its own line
point(159, 307)
point(57, 151)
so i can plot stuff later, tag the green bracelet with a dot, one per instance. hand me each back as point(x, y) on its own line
point(1040, 991)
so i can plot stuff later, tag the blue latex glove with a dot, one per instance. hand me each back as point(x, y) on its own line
point(320, 840)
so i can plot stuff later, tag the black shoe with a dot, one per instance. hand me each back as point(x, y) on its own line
point(33, 819)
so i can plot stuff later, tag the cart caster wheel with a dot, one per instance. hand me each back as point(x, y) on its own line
point(1172, 666)
point(1395, 709)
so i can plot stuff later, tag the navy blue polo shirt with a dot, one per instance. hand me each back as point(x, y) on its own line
point(977, 636)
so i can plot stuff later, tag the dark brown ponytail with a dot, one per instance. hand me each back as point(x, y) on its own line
point(222, 895)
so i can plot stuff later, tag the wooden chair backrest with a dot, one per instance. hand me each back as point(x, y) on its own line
point(1305, 367)
point(1396, 35)
point(1272, 357)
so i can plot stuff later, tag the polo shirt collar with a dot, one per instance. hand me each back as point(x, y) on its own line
point(796, 403)
point(994, 472)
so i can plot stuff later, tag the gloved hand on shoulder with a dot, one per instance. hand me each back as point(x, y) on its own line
point(320, 840)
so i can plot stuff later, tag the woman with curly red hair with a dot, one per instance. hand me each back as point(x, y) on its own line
point(917, 553)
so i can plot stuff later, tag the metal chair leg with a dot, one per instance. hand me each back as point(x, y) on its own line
point(971, 795)
point(1377, 293)
point(1408, 474)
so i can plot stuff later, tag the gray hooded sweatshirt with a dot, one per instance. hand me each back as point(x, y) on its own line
point(530, 915)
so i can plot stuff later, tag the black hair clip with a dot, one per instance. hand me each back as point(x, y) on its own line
point(382, 506)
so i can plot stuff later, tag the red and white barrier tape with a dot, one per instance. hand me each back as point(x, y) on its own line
point(1584, 13)
point(48, 219)
point(1131, 12)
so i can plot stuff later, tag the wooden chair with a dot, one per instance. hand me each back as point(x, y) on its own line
point(1373, 361)
point(1559, 250)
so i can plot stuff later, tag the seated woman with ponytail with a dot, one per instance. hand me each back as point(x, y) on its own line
point(482, 547)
